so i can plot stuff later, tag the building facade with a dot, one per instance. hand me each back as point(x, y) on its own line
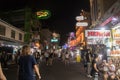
point(98, 10)
point(9, 34)
point(107, 15)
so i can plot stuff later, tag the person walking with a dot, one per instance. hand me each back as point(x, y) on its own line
point(46, 54)
point(67, 58)
point(27, 65)
point(51, 55)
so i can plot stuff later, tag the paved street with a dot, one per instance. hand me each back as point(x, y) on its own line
point(58, 71)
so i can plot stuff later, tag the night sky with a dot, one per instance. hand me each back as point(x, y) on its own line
point(63, 12)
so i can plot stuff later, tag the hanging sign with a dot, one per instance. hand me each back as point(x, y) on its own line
point(79, 18)
point(81, 24)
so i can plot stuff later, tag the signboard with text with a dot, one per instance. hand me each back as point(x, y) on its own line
point(116, 33)
point(54, 40)
point(97, 33)
point(79, 18)
point(95, 41)
point(81, 24)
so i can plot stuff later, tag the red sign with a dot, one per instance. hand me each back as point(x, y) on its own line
point(97, 33)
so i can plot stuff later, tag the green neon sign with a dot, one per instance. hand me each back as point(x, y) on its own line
point(43, 14)
point(54, 40)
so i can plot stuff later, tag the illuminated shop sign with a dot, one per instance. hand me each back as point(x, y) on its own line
point(116, 36)
point(95, 41)
point(43, 14)
point(97, 33)
point(81, 24)
point(79, 18)
point(116, 33)
point(54, 40)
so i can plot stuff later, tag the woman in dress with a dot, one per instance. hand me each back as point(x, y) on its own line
point(27, 65)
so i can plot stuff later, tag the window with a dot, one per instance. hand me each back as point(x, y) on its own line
point(20, 36)
point(2, 30)
point(12, 34)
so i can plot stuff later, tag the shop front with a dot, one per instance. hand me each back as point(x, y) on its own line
point(115, 50)
point(97, 36)
point(99, 41)
point(116, 40)
point(10, 46)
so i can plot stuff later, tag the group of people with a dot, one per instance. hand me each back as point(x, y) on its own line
point(51, 54)
point(108, 69)
point(27, 66)
point(97, 67)
point(90, 63)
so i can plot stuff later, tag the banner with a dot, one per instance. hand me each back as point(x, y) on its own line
point(97, 33)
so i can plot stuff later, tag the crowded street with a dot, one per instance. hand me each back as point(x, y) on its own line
point(59, 40)
point(58, 71)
